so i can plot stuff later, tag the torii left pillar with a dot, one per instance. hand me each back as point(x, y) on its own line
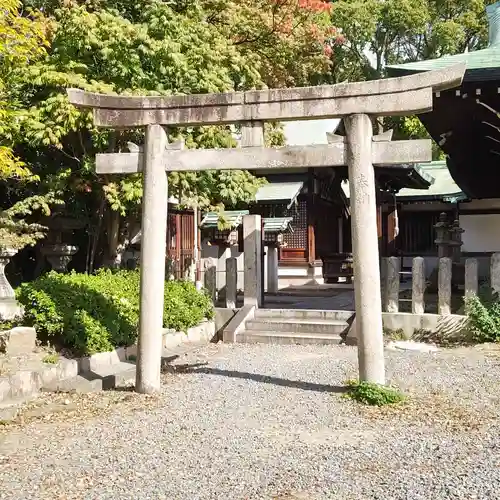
point(153, 255)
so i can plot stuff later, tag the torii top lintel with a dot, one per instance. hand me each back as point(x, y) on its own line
point(392, 96)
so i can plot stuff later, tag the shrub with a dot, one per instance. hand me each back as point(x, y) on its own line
point(484, 317)
point(373, 394)
point(96, 313)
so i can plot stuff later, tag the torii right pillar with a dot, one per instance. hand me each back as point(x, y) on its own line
point(367, 293)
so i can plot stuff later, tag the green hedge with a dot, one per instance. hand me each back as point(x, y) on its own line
point(96, 313)
point(484, 316)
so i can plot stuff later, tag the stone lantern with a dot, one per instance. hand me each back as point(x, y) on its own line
point(442, 236)
point(9, 307)
point(59, 255)
point(456, 241)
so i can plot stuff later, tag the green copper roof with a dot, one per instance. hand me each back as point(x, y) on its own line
point(277, 224)
point(232, 217)
point(481, 64)
point(279, 191)
point(443, 188)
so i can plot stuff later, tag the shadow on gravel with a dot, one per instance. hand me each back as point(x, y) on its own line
point(295, 384)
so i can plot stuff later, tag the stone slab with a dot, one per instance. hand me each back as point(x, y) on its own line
point(17, 341)
point(258, 158)
point(237, 324)
point(405, 345)
point(412, 325)
point(392, 96)
point(76, 384)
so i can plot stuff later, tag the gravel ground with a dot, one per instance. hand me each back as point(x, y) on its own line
point(263, 422)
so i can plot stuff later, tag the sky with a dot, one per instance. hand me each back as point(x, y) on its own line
point(301, 133)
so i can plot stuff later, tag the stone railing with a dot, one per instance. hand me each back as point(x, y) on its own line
point(446, 288)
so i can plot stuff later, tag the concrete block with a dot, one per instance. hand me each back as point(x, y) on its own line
point(237, 324)
point(414, 326)
point(24, 383)
point(49, 374)
point(76, 384)
point(4, 388)
point(131, 351)
point(67, 368)
point(17, 341)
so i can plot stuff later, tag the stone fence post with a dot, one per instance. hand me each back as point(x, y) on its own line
point(210, 277)
point(495, 272)
point(231, 282)
point(391, 288)
point(418, 286)
point(471, 277)
point(444, 286)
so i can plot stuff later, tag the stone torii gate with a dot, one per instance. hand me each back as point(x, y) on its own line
point(354, 102)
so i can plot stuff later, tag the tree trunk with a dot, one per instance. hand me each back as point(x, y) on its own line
point(113, 239)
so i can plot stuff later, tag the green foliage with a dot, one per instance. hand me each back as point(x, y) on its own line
point(51, 358)
point(22, 43)
point(377, 33)
point(391, 334)
point(139, 48)
point(373, 394)
point(484, 317)
point(96, 313)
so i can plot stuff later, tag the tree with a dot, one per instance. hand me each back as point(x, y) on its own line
point(378, 33)
point(289, 40)
point(22, 42)
point(147, 47)
point(399, 31)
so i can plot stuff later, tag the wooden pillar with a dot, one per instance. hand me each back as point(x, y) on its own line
point(380, 233)
point(311, 236)
point(391, 227)
point(178, 242)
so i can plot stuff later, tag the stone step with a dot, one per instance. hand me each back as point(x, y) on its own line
point(76, 384)
point(282, 338)
point(304, 314)
point(9, 408)
point(169, 354)
point(115, 375)
point(314, 326)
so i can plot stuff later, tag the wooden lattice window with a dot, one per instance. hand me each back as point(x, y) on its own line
point(297, 238)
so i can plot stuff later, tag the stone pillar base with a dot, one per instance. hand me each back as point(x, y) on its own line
point(10, 309)
point(315, 273)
